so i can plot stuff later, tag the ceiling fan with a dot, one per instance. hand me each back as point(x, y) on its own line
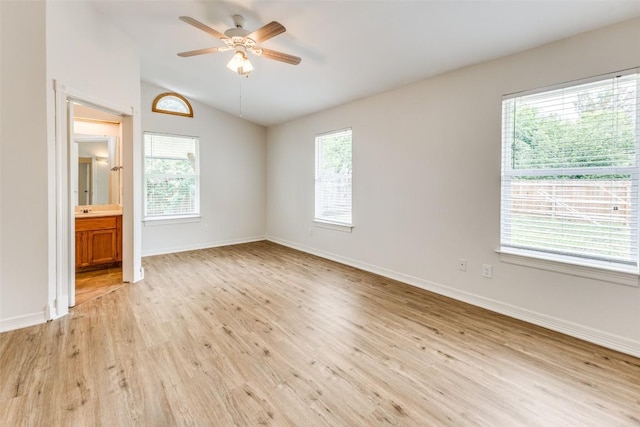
point(242, 41)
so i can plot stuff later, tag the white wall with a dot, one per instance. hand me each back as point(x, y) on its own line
point(426, 162)
point(90, 55)
point(23, 139)
point(232, 179)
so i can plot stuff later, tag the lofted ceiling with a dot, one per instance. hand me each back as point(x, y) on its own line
point(349, 49)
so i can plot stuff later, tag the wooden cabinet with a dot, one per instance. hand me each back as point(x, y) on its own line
point(98, 242)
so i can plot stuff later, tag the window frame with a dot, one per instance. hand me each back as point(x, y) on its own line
point(585, 265)
point(159, 98)
point(173, 216)
point(323, 221)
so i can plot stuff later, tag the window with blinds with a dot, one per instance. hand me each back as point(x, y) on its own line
point(570, 172)
point(171, 176)
point(333, 177)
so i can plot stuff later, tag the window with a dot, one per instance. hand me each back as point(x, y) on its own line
point(172, 103)
point(171, 175)
point(570, 173)
point(333, 177)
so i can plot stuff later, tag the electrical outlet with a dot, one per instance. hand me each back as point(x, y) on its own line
point(462, 264)
point(487, 271)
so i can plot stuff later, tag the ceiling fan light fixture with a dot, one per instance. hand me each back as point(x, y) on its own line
point(240, 63)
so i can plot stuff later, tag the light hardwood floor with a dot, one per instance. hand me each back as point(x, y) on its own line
point(259, 334)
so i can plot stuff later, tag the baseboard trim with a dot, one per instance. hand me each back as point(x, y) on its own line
point(591, 335)
point(23, 321)
point(206, 245)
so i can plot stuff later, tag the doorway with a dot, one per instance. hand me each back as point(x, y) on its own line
point(95, 169)
point(62, 278)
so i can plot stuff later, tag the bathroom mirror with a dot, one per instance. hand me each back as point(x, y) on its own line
point(95, 170)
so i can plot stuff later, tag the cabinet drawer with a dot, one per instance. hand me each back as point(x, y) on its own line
point(100, 223)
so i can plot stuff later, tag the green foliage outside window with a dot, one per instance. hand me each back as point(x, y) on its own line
point(598, 133)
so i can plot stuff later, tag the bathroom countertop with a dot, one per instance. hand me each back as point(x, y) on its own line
point(97, 214)
point(98, 210)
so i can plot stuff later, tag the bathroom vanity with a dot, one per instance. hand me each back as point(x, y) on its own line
point(98, 239)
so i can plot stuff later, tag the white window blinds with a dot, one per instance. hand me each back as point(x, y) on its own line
point(570, 172)
point(172, 175)
point(333, 177)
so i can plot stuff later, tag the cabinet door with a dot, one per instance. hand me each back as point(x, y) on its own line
point(81, 249)
point(102, 246)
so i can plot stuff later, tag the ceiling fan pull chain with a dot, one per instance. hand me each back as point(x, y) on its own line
point(240, 100)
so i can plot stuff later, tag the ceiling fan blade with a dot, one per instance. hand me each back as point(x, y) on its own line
point(279, 56)
point(203, 27)
point(202, 51)
point(266, 32)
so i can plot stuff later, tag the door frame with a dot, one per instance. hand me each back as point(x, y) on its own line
point(62, 291)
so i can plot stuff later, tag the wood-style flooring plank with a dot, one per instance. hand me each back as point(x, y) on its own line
point(259, 334)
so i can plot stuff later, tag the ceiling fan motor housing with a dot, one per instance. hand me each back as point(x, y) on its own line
point(238, 31)
point(238, 35)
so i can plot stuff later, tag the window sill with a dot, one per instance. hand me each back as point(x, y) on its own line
point(165, 220)
point(567, 265)
point(337, 226)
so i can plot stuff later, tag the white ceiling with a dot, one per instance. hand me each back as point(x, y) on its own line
point(349, 49)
